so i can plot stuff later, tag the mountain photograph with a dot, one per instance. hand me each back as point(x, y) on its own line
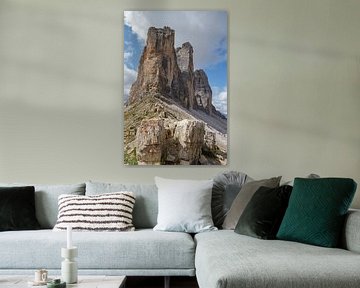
point(175, 88)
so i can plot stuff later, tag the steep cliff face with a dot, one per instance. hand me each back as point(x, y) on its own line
point(158, 71)
point(184, 55)
point(202, 91)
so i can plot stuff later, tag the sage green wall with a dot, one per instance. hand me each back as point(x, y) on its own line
point(294, 89)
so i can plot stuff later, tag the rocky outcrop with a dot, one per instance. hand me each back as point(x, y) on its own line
point(150, 139)
point(170, 73)
point(190, 136)
point(202, 91)
point(174, 142)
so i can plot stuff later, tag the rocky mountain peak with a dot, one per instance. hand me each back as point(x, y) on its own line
point(160, 39)
point(184, 56)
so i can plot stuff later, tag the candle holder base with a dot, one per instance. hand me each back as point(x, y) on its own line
point(69, 271)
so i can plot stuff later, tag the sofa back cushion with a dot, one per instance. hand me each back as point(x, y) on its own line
point(46, 200)
point(146, 204)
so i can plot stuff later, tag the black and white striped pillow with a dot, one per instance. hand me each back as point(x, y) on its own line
point(105, 212)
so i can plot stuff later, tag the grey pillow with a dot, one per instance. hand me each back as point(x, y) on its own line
point(184, 205)
point(46, 200)
point(310, 176)
point(146, 204)
point(243, 198)
point(226, 187)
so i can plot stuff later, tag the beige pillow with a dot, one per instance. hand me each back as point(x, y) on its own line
point(243, 198)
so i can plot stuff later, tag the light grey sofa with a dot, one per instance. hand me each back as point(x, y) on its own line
point(219, 259)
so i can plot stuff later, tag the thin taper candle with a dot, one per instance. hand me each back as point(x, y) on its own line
point(69, 237)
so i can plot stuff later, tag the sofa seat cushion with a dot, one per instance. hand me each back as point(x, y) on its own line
point(226, 259)
point(142, 249)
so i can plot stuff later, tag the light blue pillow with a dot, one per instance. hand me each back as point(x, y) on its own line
point(184, 205)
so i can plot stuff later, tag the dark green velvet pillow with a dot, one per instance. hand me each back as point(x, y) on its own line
point(17, 208)
point(316, 211)
point(263, 214)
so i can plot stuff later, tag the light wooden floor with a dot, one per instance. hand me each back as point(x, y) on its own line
point(158, 282)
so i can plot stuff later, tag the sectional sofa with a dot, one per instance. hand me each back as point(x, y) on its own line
point(219, 259)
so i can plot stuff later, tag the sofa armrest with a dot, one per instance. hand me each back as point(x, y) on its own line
point(351, 234)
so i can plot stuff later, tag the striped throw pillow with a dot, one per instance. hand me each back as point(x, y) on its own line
point(105, 212)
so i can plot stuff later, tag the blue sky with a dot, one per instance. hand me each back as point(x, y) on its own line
point(205, 30)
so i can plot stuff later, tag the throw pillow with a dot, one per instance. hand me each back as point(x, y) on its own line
point(316, 211)
point(105, 212)
point(184, 205)
point(311, 175)
point(146, 205)
point(243, 198)
point(263, 215)
point(17, 208)
point(226, 187)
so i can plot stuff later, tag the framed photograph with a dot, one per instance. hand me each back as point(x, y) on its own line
point(175, 87)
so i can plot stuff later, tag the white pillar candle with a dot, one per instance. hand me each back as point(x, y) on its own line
point(69, 237)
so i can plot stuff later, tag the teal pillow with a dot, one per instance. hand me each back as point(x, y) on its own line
point(316, 211)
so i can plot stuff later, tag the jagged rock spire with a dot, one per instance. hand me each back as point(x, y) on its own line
point(158, 71)
point(184, 55)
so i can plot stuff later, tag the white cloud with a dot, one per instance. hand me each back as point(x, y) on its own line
point(220, 99)
point(129, 78)
point(127, 55)
point(205, 30)
point(138, 21)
